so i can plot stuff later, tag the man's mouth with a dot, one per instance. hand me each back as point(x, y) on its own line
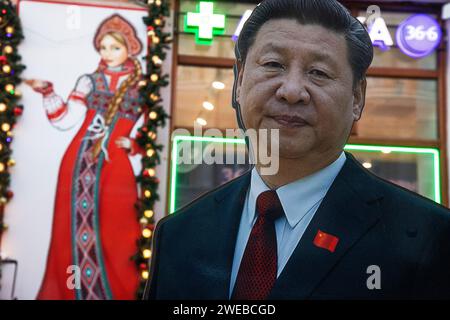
point(290, 121)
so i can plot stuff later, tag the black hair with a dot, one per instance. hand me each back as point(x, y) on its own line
point(329, 14)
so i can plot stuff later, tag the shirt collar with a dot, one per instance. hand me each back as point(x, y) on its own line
point(297, 197)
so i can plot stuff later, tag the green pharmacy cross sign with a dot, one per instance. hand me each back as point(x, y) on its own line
point(204, 23)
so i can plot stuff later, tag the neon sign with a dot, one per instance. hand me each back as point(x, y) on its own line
point(204, 23)
point(418, 36)
point(379, 34)
point(429, 153)
point(241, 24)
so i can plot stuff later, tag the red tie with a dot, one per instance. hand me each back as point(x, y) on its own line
point(258, 269)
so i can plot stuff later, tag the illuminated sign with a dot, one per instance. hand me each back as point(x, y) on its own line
point(241, 24)
point(418, 36)
point(429, 153)
point(204, 23)
point(379, 34)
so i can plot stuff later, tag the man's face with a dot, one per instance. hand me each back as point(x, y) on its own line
point(297, 78)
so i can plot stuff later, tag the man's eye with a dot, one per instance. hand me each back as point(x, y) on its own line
point(319, 73)
point(273, 64)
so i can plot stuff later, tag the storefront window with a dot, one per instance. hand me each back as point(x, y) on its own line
point(198, 91)
point(192, 175)
point(402, 103)
point(400, 108)
point(394, 58)
point(416, 170)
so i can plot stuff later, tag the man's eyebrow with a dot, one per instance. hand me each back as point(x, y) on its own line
point(324, 57)
point(272, 47)
point(316, 56)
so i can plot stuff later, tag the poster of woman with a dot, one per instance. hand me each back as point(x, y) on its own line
point(84, 114)
point(96, 184)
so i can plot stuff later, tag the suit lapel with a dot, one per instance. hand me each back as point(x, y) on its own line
point(348, 211)
point(227, 211)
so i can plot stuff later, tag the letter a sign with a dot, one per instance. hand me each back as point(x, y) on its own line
point(379, 33)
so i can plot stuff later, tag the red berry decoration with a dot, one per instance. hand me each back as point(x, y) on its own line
point(18, 111)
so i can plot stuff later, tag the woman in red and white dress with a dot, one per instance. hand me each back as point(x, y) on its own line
point(95, 226)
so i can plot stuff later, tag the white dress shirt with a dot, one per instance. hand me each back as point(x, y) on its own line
point(300, 200)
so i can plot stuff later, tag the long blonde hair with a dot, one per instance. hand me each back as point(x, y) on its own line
point(116, 100)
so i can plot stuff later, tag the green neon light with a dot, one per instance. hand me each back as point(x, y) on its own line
point(204, 23)
point(423, 151)
point(363, 148)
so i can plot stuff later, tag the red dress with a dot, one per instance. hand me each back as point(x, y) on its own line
point(95, 225)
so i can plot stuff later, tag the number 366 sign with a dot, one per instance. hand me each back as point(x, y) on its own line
point(418, 36)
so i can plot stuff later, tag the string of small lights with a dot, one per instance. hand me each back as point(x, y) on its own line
point(150, 87)
point(10, 70)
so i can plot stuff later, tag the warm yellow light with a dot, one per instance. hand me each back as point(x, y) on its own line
point(9, 29)
point(151, 172)
point(8, 49)
point(151, 135)
point(6, 68)
point(9, 87)
point(2, 167)
point(146, 233)
point(156, 60)
point(146, 253)
point(208, 105)
point(367, 165)
point(218, 85)
point(154, 77)
point(153, 115)
point(201, 121)
point(6, 127)
point(147, 193)
point(143, 220)
point(156, 40)
point(150, 153)
point(142, 83)
point(145, 275)
point(2, 107)
point(148, 213)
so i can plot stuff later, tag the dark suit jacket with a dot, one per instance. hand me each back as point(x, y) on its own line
point(407, 236)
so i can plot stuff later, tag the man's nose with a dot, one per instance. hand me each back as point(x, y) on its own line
point(292, 89)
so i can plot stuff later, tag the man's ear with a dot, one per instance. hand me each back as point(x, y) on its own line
point(240, 70)
point(359, 98)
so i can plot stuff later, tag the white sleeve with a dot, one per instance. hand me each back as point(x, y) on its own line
point(65, 115)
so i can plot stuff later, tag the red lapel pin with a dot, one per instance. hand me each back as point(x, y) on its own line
point(326, 241)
